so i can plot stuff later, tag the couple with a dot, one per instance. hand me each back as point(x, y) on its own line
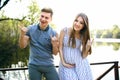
point(73, 45)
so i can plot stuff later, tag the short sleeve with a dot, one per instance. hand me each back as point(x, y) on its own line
point(28, 32)
point(65, 30)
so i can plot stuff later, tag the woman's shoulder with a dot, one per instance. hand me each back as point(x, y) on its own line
point(66, 30)
point(70, 29)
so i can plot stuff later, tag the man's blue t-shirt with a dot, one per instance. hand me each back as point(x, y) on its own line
point(40, 45)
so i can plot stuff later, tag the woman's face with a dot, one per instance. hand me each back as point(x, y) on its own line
point(78, 24)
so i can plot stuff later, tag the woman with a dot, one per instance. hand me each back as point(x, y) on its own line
point(75, 46)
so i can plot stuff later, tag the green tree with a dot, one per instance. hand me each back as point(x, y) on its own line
point(116, 31)
point(98, 33)
point(10, 53)
point(106, 34)
point(110, 33)
point(116, 34)
point(34, 12)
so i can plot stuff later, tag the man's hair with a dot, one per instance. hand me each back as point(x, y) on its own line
point(47, 10)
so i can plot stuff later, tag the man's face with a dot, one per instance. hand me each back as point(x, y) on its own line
point(45, 18)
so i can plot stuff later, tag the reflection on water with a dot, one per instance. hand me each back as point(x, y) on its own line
point(104, 53)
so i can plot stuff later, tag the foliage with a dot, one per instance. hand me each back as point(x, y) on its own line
point(116, 31)
point(108, 33)
point(34, 12)
point(10, 53)
point(9, 49)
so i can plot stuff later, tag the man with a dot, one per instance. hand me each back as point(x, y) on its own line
point(43, 43)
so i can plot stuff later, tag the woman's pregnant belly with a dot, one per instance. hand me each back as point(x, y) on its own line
point(71, 55)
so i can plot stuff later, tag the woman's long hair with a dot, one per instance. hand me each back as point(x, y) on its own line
point(84, 33)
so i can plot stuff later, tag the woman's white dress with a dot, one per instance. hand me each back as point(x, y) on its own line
point(82, 70)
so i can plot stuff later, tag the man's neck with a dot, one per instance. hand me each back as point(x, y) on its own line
point(43, 28)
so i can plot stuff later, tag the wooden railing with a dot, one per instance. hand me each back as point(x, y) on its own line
point(114, 66)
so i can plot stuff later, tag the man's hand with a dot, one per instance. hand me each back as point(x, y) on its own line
point(55, 44)
point(23, 29)
point(23, 39)
point(54, 41)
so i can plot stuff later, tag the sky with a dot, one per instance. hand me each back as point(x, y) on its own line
point(102, 14)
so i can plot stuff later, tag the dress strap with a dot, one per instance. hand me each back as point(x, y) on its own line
point(65, 30)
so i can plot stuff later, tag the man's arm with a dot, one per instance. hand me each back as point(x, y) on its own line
point(55, 44)
point(23, 39)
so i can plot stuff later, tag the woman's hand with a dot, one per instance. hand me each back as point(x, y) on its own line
point(68, 65)
point(89, 44)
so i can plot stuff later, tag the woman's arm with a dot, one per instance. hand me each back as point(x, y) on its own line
point(88, 46)
point(62, 33)
point(61, 46)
